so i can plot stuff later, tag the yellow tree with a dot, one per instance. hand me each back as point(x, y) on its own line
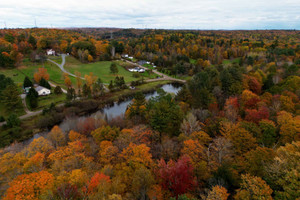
point(78, 79)
point(57, 137)
point(41, 73)
point(90, 58)
point(108, 153)
point(41, 145)
point(253, 188)
point(78, 177)
point(217, 193)
point(90, 79)
point(74, 136)
point(35, 163)
point(284, 171)
point(29, 186)
point(68, 81)
point(289, 127)
point(63, 46)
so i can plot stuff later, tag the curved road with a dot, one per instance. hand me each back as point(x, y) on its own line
point(61, 66)
point(164, 77)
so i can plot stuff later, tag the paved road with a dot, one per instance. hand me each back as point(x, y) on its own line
point(61, 66)
point(30, 114)
point(164, 77)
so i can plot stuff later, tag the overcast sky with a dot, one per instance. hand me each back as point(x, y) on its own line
point(169, 14)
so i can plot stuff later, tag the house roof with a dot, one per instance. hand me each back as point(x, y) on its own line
point(39, 88)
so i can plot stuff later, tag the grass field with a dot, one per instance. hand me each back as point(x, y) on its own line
point(236, 60)
point(100, 69)
point(45, 101)
point(29, 68)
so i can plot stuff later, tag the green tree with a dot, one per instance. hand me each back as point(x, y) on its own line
point(45, 83)
point(142, 180)
point(32, 41)
point(27, 82)
point(86, 90)
point(11, 98)
point(114, 68)
point(13, 121)
point(111, 85)
point(32, 98)
point(58, 90)
point(98, 88)
point(165, 116)
point(71, 94)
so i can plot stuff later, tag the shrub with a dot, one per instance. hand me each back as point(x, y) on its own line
point(58, 90)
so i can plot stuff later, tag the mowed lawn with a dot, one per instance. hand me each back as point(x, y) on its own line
point(28, 68)
point(45, 101)
point(100, 69)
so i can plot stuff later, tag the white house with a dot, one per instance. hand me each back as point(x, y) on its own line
point(50, 52)
point(42, 91)
point(137, 69)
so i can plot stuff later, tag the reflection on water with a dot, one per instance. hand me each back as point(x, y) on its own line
point(116, 110)
point(120, 108)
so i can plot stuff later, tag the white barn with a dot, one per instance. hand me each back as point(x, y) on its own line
point(50, 52)
point(42, 91)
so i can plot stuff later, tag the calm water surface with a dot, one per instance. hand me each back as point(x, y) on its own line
point(120, 108)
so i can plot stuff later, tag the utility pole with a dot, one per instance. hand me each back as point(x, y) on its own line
point(35, 23)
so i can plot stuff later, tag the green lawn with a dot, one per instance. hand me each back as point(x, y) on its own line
point(236, 60)
point(29, 68)
point(193, 61)
point(140, 88)
point(45, 101)
point(100, 69)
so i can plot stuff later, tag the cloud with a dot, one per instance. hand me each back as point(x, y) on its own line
point(190, 14)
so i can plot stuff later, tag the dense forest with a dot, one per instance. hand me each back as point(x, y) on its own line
point(231, 132)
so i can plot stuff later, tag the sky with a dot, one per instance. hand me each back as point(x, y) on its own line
point(160, 14)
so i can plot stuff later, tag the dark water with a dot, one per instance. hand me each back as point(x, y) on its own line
point(120, 108)
point(111, 111)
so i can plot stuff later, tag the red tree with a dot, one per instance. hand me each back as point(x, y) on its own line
point(96, 180)
point(255, 116)
point(177, 176)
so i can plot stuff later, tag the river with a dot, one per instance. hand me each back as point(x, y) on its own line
point(120, 108)
point(116, 109)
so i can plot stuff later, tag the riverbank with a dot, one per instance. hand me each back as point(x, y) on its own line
point(35, 124)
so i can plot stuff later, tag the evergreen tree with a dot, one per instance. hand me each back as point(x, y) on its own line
point(71, 94)
point(13, 121)
point(111, 85)
point(27, 82)
point(32, 41)
point(11, 99)
point(32, 98)
point(86, 90)
point(113, 68)
point(45, 84)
